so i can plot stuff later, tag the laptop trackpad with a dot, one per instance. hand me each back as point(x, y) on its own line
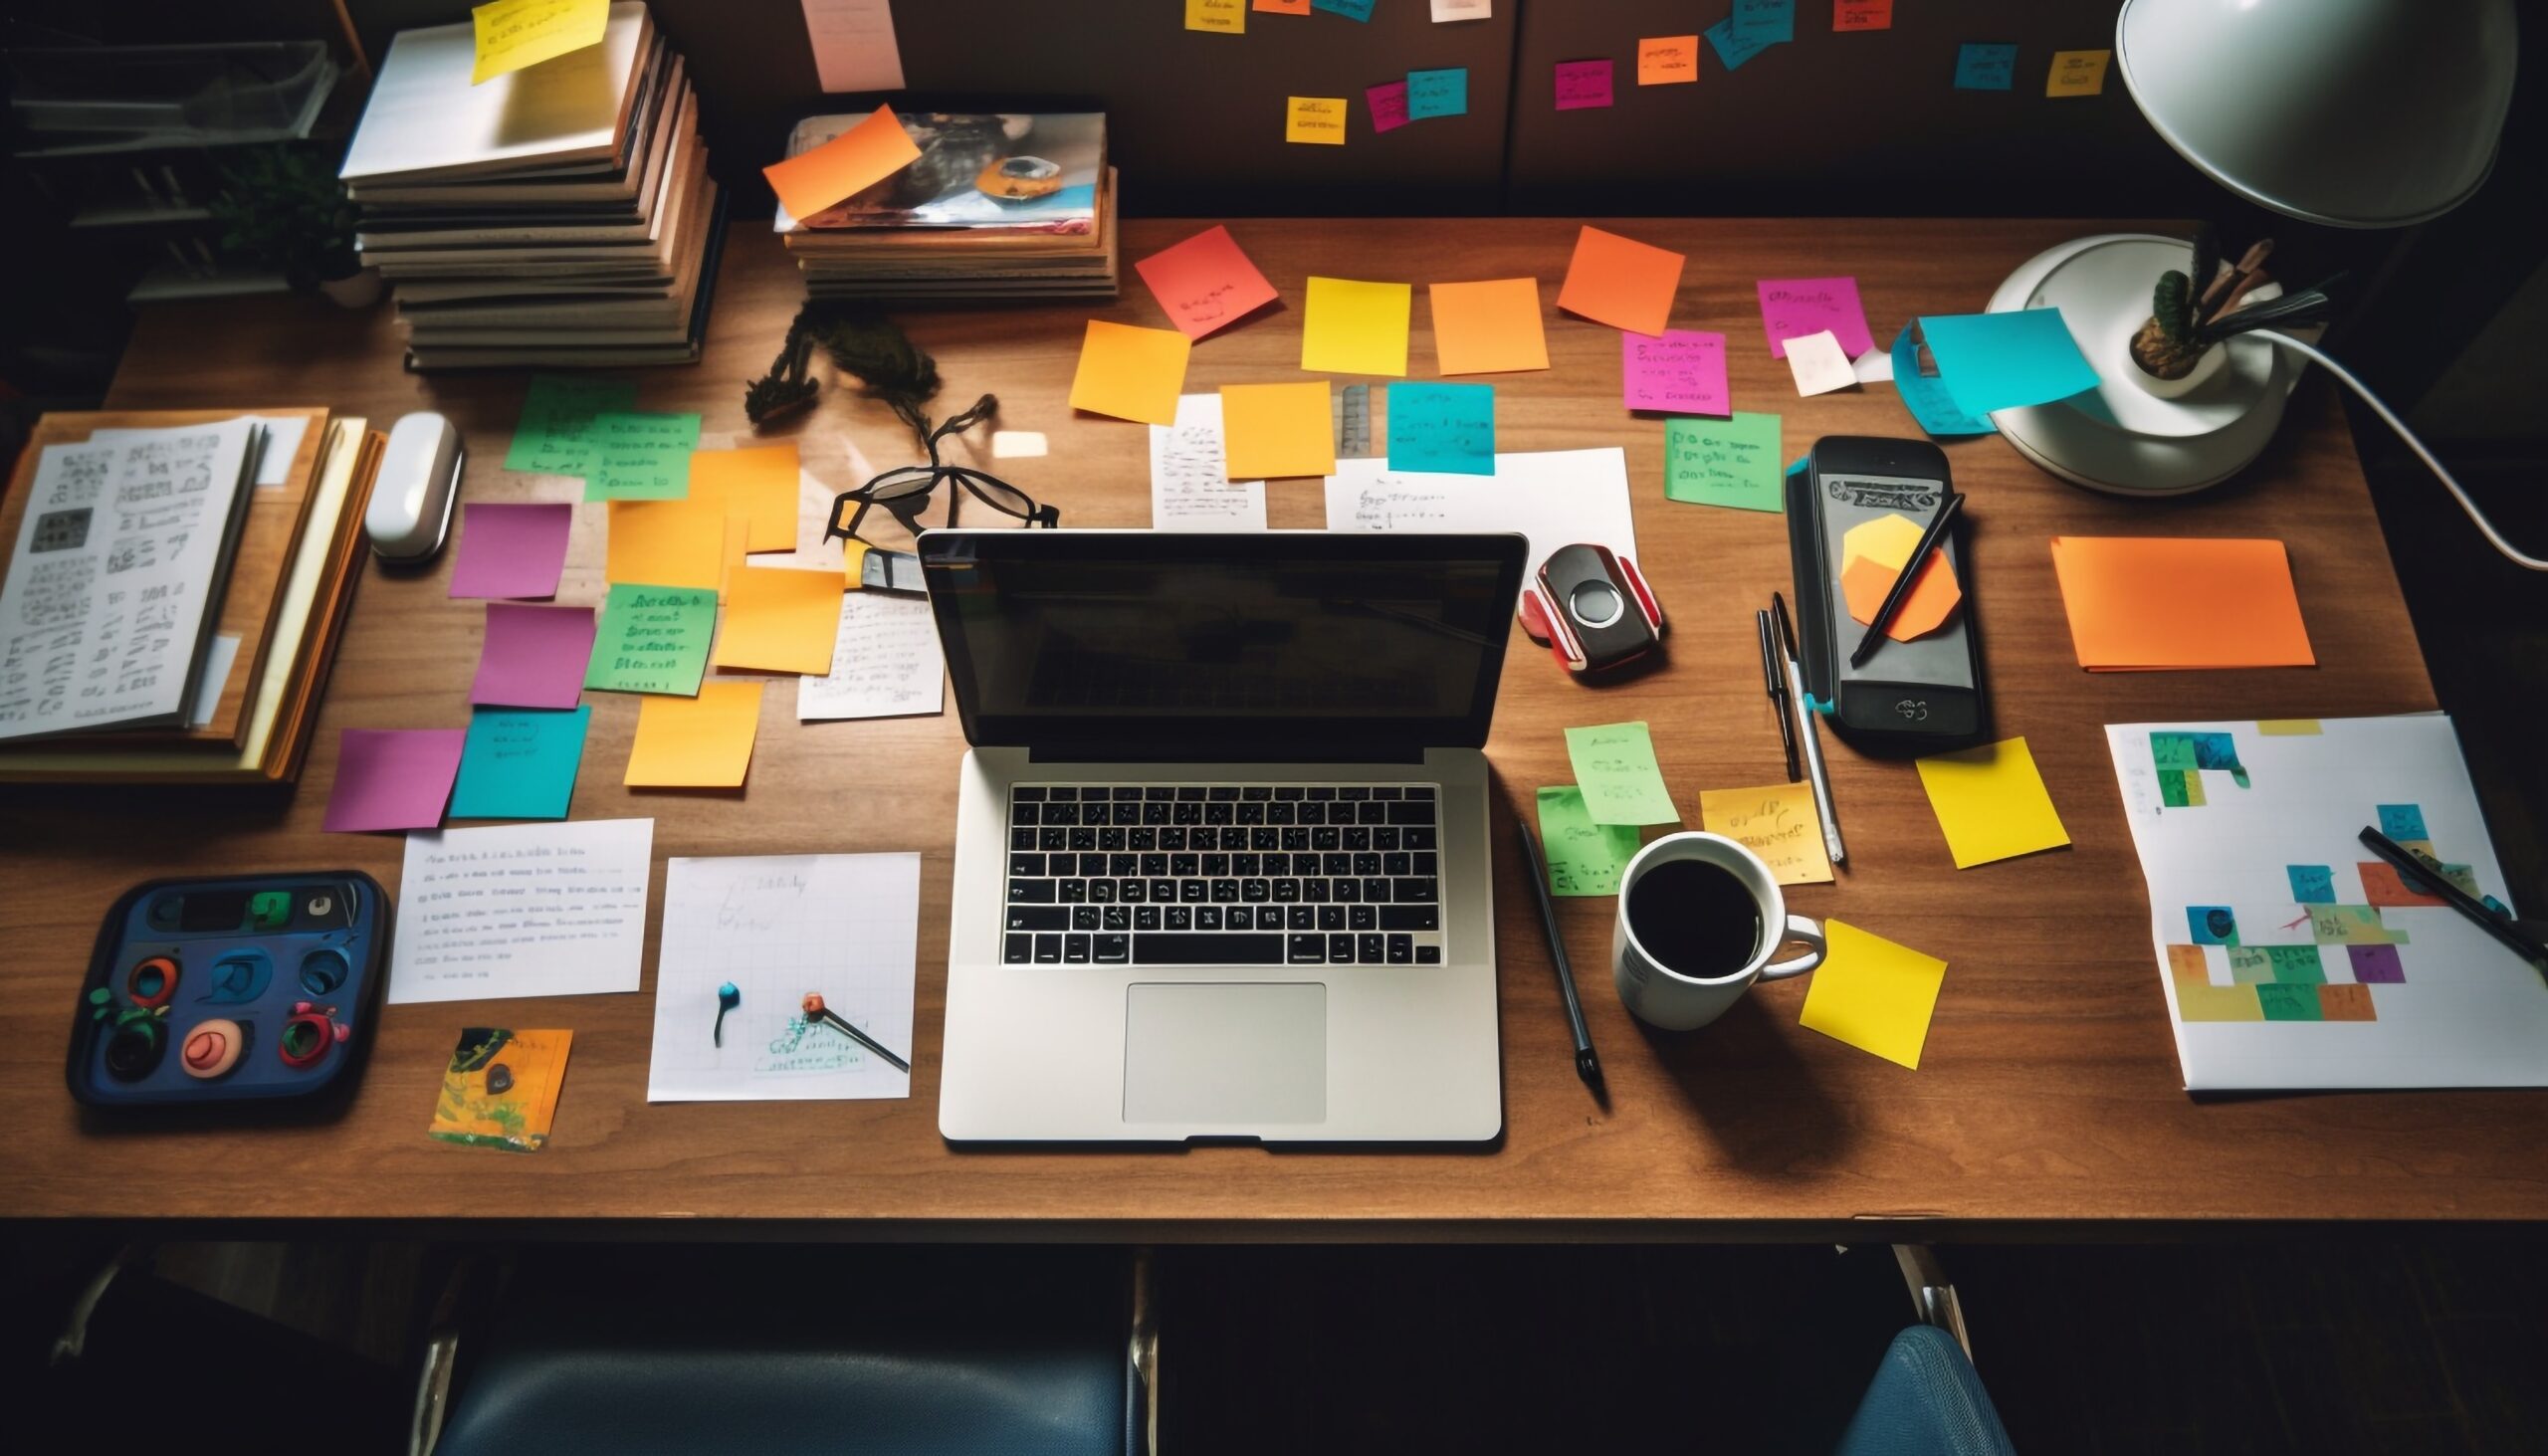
point(1238, 1054)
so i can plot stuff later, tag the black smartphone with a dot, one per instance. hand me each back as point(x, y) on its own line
point(1924, 693)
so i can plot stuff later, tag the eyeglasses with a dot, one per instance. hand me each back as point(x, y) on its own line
point(904, 491)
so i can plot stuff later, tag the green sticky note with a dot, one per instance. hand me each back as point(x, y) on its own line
point(2297, 965)
point(1729, 462)
point(1442, 427)
point(554, 434)
point(1614, 765)
point(641, 457)
point(1584, 858)
point(652, 639)
point(2289, 1003)
point(519, 762)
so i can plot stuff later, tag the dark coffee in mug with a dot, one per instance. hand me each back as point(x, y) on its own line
point(1695, 917)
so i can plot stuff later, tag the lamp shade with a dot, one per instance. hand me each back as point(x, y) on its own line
point(2363, 114)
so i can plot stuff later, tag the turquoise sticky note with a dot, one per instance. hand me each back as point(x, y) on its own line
point(1350, 9)
point(519, 762)
point(1986, 67)
point(2313, 884)
point(1993, 361)
point(1442, 427)
point(1734, 46)
point(1437, 92)
point(1772, 20)
point(1926, 396)
point(2402, 821)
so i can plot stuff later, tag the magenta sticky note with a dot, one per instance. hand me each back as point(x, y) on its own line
point(1680, 372)
point(512, 551)
point(393, 779)
point(1581, 84)
point(533, 657)
point(1792, 307)
point(1388, 106)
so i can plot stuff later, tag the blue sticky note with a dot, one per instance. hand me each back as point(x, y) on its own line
point(519, 762)
point(1768, 20)
point(2402, 821)
point(1986, 67)
point(1437, 92)
point(2313, 884)
point(1350, 9)
point(1926, 396)
point(1735, 46)
point(1442, 427)
point(1994, 361)
point(2212, 924)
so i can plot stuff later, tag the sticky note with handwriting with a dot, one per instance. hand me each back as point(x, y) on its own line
point(1794, 307)
point(1849, 15)
point(519, 762)
point(1667, 60)
point(1443, 92)
point(1735, 45)
point(1985, 67)
point(1584, 858)
point(696, 742)
point(1489, 328)
point(1206, 282)
point(1772, 20)
point(652, 639)
point(513, 34)
point(1447, 428)
point(1350, 9)
point(2078, 74)
point(1926, 396)
point(1778, 822)
point(555, 435)
point(1387, 102)
point(641, 457)
point(1281, 7)
point(1220, 17)
point(1680, 372)
point(1315, 121)
point(1614, 766)
point(1583, 85)
point(1354, 328)
point(1131, 373)
point(1729, 462)
point(843, 167)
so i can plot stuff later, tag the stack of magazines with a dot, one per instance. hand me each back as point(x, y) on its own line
point(560, 215)
point(998, 206)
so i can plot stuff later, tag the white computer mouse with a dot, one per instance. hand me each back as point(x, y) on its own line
point(419, 483)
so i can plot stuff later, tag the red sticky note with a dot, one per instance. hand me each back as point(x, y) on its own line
point(1792, 307)
point(1862, 14)
point(512, 551)
point(1583, 85)
point(1205, 281)
point(1621, 282)
point(844, 166)
point(1388, 106)
point(533, 657)
point(397, 778)
point(1680, 373)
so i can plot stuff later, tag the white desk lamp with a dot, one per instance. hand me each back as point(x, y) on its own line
point(2362, 114)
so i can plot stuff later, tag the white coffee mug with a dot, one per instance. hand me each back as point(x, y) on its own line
point(1665, 997)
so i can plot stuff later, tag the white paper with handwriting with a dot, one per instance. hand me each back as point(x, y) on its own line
point(1555, 497)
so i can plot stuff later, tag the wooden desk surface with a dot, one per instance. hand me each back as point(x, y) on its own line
point(2049, 1089)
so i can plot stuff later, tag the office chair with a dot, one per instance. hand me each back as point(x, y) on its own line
point(1925, 1399)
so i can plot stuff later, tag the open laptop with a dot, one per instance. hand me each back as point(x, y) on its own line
point(1222, 865)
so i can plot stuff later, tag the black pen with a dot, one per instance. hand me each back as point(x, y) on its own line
point(1902, 579)
point(1586, 1064)
point(1832, 848)
point(1776, 682)
point(816, 1010)
point(2515, 933)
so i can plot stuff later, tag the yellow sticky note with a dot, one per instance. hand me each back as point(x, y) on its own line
point(1319, 120)
point(1355, 327)
point(696, 742)
point(1874, 994)
point(1777, 822)
point(758, 485)
point(1131, 373)
point(2287, 727)
point(780, 619)
point(513, 34)
point(1222, 17)
point(2077, 72)
point(670, 542)
point(1270, 431)
point(1991, 802)
point(1667, 60)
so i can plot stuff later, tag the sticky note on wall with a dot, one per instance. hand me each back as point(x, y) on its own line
point(1443, 92)
point(1315, 120)
point(2077, 72)
point(1387, 102)
point(1667, 60)
point(1350, 9)
point(1220, 17)
point(1583, 85)
point(1985, 66)
point(1849, 15)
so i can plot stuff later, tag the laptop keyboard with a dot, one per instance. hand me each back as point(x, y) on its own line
point(1223, 874)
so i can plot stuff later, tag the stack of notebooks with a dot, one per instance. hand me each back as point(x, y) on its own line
point(558, 216)
point(998, 206)
point(176, 586)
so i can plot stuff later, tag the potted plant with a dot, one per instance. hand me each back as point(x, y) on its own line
point(281, 208)
point(2178, 346)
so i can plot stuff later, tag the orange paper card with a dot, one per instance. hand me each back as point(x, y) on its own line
point(1270, 431)
point(1131, 373)
point(1205, 281)
point(1621, 282)
point(844, 166)
point(780, 619)
point(1488, 328)
point(1282, 7)
point(758, 485)
point(2142, 603)
point(1871, 555)
point(1667, 60)
point(696, 742)
point(671, 542)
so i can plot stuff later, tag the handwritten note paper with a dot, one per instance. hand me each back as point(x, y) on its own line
point(1849, 15)
point(1926, 396)
point(1582, 86)
point(758, 484)
point(1729, 462)
point(696, 742)
point(1313, 120)
point(519, 764)
point(1553, 496)
point(641, 457)
point(1735, 45)
point(1778, 822)
point(1874, 994)
point(1206, 282)
point(1387, 102)
point(1446, 11)
point(1584, 858)
point(1489, 328)
point(1996, 361)
point(1679, 371)
point(533, 657)
point(652, 639)
point(2078, 74)
point(1271, 431)
point(1220, 17)
point(1189, 487)
point(512, 551)
point(1986, 67)
point(1443, 92)
point(1794, 307)
point(885, 662)
point(1356, 327)
point(1991, 802)
point(1449, 428)
point(843, 167)
point(392, 779)
point(1667, 60)
point(780, 619)
point(555, 435)
point(854, 45)
point(1130, 373)
point(1614, 766)
point(687, 542)
point(522, 910)
point(513, 34)
point(1621, 282)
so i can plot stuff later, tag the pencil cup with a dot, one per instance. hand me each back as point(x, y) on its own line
point(1700, 915)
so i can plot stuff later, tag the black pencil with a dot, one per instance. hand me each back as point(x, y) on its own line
point(1777, 681)
point(1588, 1065)
point(1902, 581)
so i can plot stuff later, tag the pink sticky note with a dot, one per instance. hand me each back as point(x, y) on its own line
point(534, 657)
point(1792, 307)
point(1581, 84)
point(1204, 282)
point(512, 551)
point(397, 778)
point(1680, 372)
point(1388, 106)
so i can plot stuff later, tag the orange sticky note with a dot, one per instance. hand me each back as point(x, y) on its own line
point(670, 542)
point(1490, 328)
point(2382, 885)
point(696, 742)
point(1282, 7)
point(780, 619)
point(1205, 281)
point(1621, 282)
point(844, 166)
point(2140, 603)
point(758, 485)
point(1270, 431)
point(1667, 60)
point(1131, 373)
point(1871, 555)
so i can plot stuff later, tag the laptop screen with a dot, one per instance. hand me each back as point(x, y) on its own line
point(1208, 646)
